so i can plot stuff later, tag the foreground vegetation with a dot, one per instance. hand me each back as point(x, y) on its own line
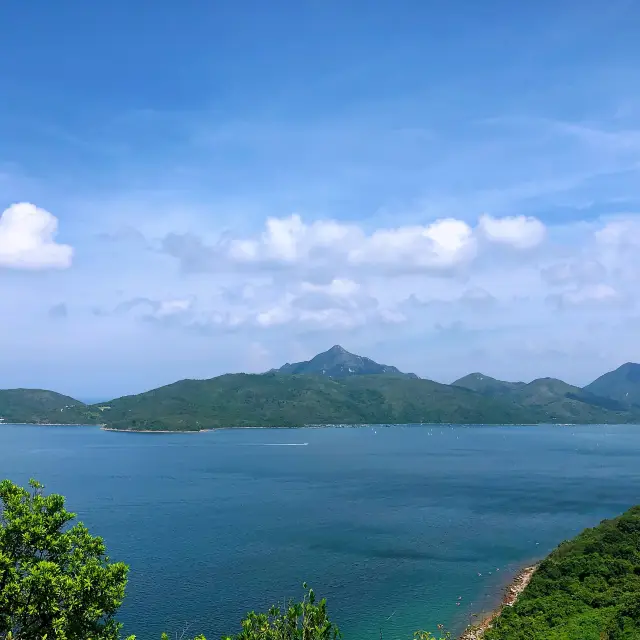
point(57, 583)
point(587, 589)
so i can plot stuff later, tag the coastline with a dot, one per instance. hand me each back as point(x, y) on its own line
point(103, 426)
point(311, 426)
point(510, 596)
point(50, 424)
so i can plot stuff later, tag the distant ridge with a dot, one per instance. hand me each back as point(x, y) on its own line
point(486, 384)
point(622, 385)
point(339, 388)
point(337, 362)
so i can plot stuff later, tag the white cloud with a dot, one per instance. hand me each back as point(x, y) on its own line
point(338, 287)
point(442, 245)
point(172, 307)
point(340, 304)
point(27, 239)
point(617, 248)
point(519, 232)
point(439, 246)
point(593, 295)
point(290, 240)
point(619, 232)
point(573, 272)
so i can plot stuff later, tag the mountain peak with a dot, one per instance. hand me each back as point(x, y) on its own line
point(337, 349)
point(630, 369)
point(622, 384)
point(485, 384)
point(337, 362)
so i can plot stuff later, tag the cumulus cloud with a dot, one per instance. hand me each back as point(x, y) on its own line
point(472, 301)
point(438, 246)
point(619, 232)
point(441, 247)
point(340, 304)
point(593, 295)
point(27, 239)
point(290, 240)
point(519, 232)
point(579, 271)
point(157, 308)
point(166, 308)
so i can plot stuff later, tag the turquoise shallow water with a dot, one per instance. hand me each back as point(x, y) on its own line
point(392, 525)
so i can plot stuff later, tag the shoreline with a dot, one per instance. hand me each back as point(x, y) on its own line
point(510, 596)
point(50, 424)
point(305, 426)
point(103, 426)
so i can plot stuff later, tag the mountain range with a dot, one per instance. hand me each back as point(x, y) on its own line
point(338, 387)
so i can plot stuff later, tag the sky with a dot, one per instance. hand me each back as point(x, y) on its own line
point(192, 188)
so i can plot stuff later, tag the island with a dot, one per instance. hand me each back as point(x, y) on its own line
point(338, 387)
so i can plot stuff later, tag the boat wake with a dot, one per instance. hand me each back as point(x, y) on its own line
point(284, 444)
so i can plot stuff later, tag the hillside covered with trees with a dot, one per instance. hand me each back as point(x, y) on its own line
point(334, 387)
point(587, 589)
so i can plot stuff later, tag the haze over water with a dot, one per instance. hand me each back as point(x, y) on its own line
point(392, 525)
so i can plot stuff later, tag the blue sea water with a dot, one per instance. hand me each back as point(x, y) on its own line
point(394, 526)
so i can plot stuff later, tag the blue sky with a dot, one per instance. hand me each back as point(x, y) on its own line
point(194, 188)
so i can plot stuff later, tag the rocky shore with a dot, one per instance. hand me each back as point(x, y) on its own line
point(511, 593)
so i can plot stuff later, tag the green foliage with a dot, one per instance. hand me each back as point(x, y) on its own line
point(553, 399)
point(305, 620)
point(40, 406)
point(335, 387)
point(587, 589)
point(486, 384)
point(242, 400)
point(55, 580)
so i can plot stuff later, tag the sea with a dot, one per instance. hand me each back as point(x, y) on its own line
point(401, 528)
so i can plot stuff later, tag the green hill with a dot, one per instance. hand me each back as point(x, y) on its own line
point(40, 406)
point(486, 384)
point(587, 589)
point(237, 400)
point(339, 363)
point(274, 399)
point(335, 387)
point(622, 385)
point(556, 400)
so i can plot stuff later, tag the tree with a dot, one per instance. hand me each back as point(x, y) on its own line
point(306, 620)
point(56, 581)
